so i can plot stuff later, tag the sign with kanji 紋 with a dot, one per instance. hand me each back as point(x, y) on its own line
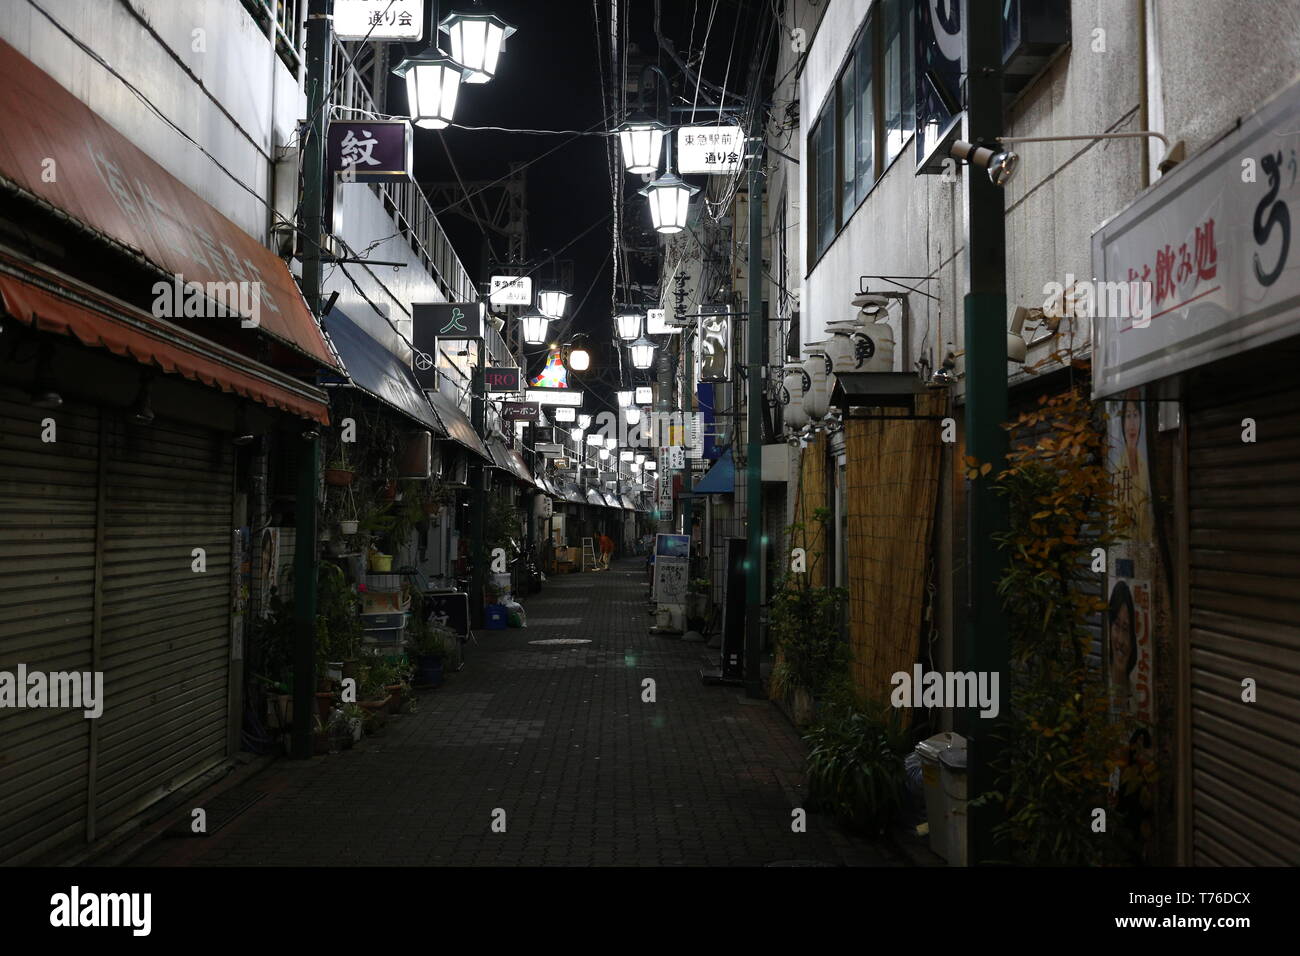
point(379, 19)
point(710, 149)
point(369, 151)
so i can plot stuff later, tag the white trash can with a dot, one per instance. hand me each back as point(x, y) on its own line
point(929, 750)
point(952, 775)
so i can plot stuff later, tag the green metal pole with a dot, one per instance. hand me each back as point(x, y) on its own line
point(987, 640)
point(319, 13)
point(754, 417)
point(688, 408)
point(478, 510)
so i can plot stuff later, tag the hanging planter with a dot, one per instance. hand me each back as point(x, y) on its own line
point(339, 475)
point(348, 526)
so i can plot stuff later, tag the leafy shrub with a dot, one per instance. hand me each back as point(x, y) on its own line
point(855, 766)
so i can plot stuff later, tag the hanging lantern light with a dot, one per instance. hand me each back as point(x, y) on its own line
point(604, 454)
point(584, 422)
point(643, 353)
point(432, 86)
point(611, 443)
point(625, 397)
point(670, 199)
point(628, 324)
point(575, 435)
point(641, 139)
point(535, 325)
point(639, 458)
point(632, 414)
point(477, 40)
point(553, 302)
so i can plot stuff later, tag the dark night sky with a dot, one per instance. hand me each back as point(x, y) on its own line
point(548, 79)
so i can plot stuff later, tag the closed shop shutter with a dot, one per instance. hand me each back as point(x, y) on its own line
point(166, 644)
point(1244, 620)
point(47, 588)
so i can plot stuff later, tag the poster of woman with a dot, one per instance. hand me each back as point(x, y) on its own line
point(1128, 649)
point(1129, 468)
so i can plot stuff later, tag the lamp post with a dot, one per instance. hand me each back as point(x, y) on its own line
point(477, 40)
point(643, 353)
point(432, 87)
point(628, 325)
point(534, 326)
point(670, 198)
point(553, 303)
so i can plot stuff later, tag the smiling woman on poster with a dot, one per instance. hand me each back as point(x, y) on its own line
point(1121, 646)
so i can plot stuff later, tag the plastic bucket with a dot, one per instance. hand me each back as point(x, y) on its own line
point(929, 750)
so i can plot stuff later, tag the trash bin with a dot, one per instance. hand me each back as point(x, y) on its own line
point(929, 750)
point(952, 775)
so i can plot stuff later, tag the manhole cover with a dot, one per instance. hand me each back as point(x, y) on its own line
point(562, 640)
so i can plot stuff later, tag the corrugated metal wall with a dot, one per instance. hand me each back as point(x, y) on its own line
point(1244, 622)
point(47, 588)
point(149, 495)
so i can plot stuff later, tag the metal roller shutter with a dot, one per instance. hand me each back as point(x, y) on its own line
point(1244, 621)
point(47, 592)
point(166, 643)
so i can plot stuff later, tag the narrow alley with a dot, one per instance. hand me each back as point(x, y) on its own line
point(558, 737)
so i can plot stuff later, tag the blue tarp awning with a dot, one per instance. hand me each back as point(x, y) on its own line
point(378, 372)
point(720, 479)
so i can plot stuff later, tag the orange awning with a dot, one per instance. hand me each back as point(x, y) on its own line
point(113, 187)
point(56, 303)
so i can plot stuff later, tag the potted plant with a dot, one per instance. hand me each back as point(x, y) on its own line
point(697, 601)
point(855, 766)
point(339, 473)
point(355, 716)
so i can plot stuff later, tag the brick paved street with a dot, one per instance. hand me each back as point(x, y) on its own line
point(559, 738)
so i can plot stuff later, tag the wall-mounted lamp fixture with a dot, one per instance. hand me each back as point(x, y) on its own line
point(1000, 164)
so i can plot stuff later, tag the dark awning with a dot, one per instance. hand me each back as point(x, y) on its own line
point(627, 503)
point(123, 195)
point(457, 425)
point(720, 479)
point(509, 460)
point(380, 373)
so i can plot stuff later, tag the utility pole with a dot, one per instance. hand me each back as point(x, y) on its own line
point(319, 17)
point(754, 418)
point(477, 557)
point(987, 641)
point(662, 430)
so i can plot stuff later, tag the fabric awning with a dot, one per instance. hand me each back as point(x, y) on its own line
point(720, 479)
point(379, 373)
point(457, 426)
point(119, 192)
point(53, 302)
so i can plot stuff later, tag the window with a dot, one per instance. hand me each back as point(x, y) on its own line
point(900, 91)
point(866, 95)
point(848, 137)
point(822, 151)
point(866, 120)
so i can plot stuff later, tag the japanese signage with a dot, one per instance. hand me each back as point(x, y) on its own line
point(510, 290)
point(521, 411)
point(501, 380)
point(644, 395)
point(710, 149)
point(713, 347)
point(379, 19)
point(940, 47)
point(372, 151)
point(1212, 241)
point(676, 457)
point(554, 396)
point(447, 320)
point(564, 413)
point(656, 323)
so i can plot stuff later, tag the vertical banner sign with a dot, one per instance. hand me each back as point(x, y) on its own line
point(940, 46)
point(713, 350)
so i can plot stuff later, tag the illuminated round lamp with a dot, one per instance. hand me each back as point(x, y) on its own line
point(670, 199)
point(643, 353)
point(641, 139)
point(628, 325)
point(477, 40)
point(553, 302)
point(432, 86)
point(579, 359)
point(632, 415)
point(535, 325)
point(626, 397)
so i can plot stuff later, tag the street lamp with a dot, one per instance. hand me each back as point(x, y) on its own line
point(633, 415)
point(643, 353)
point(477, 40)
point(535, 325)
point(575, 435)
point(641, 139)
point(553, 302)
point(625, 397)
point(629, 325)
point(432, 85)
point(584, 422)
point(579, 359)
point(670, 198)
